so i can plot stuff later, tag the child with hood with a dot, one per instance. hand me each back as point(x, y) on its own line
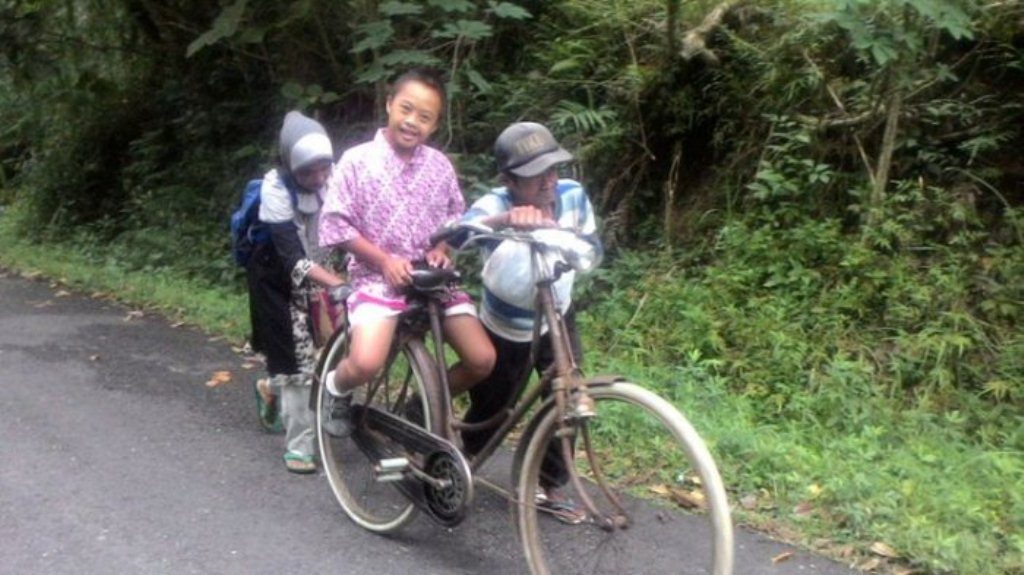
point(283, 273)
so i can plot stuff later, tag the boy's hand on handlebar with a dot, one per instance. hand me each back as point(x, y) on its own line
point(528, 217)
point(397, 271)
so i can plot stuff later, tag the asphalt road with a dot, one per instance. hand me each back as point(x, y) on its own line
point(116, 457)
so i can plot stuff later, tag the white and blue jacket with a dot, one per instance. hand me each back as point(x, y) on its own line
point(573, 211)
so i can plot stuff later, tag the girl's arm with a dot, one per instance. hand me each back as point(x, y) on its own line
point(396, 271)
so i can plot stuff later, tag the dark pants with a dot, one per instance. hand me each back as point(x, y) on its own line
point(492, 395)
point(270, 294)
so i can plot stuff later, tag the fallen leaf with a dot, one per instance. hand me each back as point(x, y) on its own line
point(846, 551)
point(177, 324)
point(822, 543)
point(250, 366)
point(660, 490)
point(688, 499)
point(43, 304)
point(62, 293)
point(879, 548)
point(749, 502)
point(134, 314)
point(814, 489)
point(782, 557)
point(219, 378)
point(803, 509)
point(870, 565)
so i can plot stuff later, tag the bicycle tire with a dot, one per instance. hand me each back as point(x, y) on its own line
point(376, 506)
point(659, 535)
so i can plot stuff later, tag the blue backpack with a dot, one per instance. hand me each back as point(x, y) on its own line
point(246, 230)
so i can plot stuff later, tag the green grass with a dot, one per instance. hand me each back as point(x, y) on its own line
point(818, 440)
point(921, 485)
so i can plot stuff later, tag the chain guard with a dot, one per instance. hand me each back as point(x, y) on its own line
point(376, 433)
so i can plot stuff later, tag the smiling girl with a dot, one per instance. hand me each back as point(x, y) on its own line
point(383, 201)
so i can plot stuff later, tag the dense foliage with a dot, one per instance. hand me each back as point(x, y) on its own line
point(813, 207)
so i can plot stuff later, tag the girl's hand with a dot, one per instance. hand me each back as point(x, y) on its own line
point(397, 271)
point(438, 257)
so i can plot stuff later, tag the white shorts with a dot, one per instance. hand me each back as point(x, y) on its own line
point(369, 312)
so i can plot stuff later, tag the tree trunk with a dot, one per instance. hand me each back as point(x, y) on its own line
point(885, 157)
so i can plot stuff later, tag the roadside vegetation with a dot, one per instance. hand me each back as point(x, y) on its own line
point(813, 211)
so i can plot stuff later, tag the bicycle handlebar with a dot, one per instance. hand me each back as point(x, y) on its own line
point(566, 243)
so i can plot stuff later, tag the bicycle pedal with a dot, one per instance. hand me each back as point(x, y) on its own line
point(392, 469)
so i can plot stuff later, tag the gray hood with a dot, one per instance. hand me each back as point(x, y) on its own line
point(303, 141)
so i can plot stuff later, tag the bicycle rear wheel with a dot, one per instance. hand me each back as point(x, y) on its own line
point(641, 463)
point(405, 388)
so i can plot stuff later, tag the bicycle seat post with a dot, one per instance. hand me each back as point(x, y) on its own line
point(437, 333)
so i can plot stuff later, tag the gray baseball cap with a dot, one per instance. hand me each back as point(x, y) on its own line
point(528, 149)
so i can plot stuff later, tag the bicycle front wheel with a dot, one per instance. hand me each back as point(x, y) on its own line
point(650, 477)
point(405, 388)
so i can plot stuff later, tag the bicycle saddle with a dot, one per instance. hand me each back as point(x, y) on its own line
point(432, 279)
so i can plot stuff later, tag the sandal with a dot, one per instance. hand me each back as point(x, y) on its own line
point(266, 407)
point(559, 506)
point(299, 463)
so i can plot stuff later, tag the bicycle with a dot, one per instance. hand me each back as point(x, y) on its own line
point(404, 454)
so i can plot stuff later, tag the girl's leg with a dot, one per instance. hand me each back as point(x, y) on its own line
point(467, 337)
point(368, 350)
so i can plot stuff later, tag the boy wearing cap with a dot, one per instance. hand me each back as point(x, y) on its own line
point(282, 275)
point(533, 196)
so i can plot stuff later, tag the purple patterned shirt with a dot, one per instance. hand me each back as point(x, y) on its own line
point(391, 202)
